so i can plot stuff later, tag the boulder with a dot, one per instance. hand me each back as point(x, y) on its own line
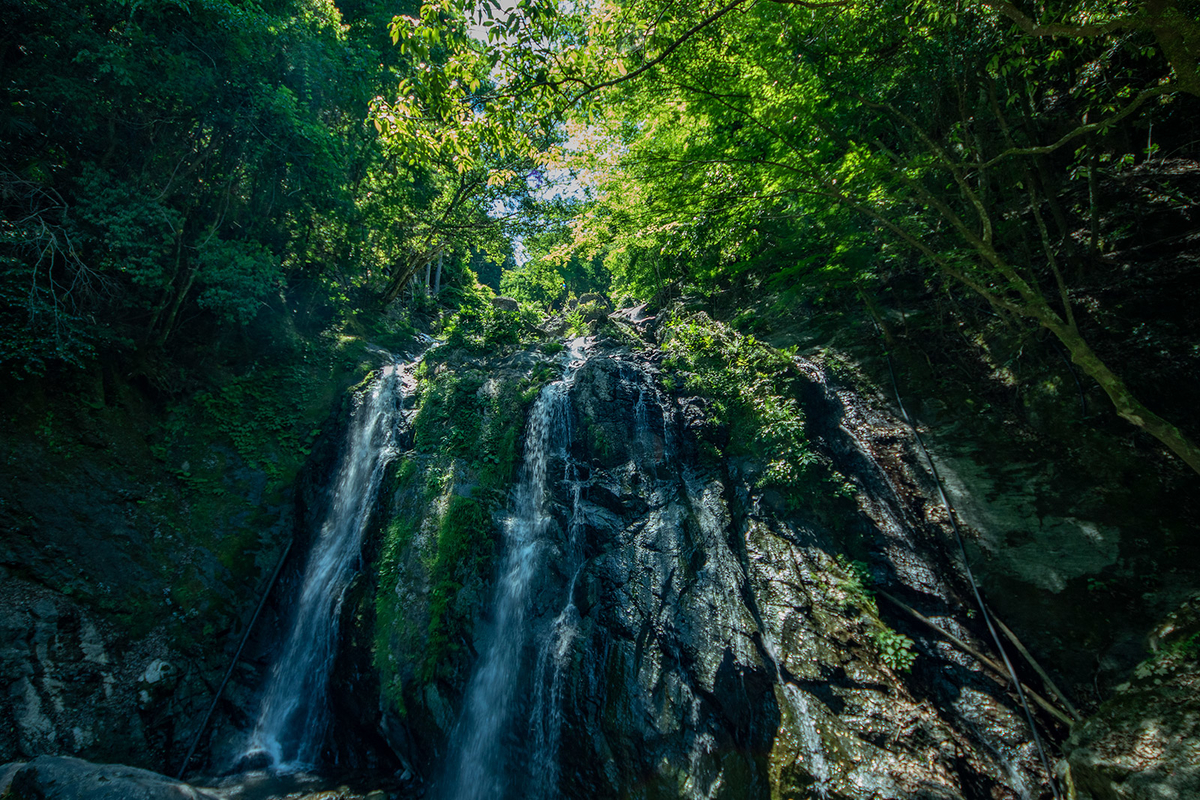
point(505, 304)
point(1144, 743)
point(595, 298)
point(63, 778)
point(594, 314)
point(6, 775)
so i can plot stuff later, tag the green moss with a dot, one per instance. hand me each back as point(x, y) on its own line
point(235, 450)
point(449, 418)
point(466, 442)
point(598, 441)
point(503, 424)
point(393, 628)
point(389, 613)
point(480, 429)
point(465, 550)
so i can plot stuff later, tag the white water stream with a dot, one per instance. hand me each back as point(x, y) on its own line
point(293, 712)
point(478, 760)
point(805, 721)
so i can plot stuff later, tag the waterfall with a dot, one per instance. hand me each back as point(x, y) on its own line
point(293, 712)
point(554, 651)
point(476, 764)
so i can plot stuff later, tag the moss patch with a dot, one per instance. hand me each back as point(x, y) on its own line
point(750, 386)
point(441, 539)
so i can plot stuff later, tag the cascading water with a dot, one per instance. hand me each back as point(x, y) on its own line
point(477, 761)
point(554, 651)
point(293, 712)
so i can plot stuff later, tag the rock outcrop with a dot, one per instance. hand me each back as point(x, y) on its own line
point(1144, 743)
point(694, 634)
point(140, 527)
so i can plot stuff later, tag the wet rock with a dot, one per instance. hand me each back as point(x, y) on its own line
point(1144, 743)
point(692, 634)
point(157, 681)
point(257, 760)
point(6, 775)
point(64, 778)
point(715, 634)
point(75, 687)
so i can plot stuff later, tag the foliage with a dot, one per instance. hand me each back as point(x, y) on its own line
point(447, 420)
point(552, 271)
point(477, 325)
point(726, 149)
point(895, 649)
point(268, 425)
point(752, 393)
point(236, 276)
point(186, 166)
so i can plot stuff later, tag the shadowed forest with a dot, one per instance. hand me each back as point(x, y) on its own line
point(714, 266)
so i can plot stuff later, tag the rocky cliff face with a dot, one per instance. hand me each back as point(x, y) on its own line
point(1144, 742)
point(720, 578)
point(692, 631)
point(140, 527)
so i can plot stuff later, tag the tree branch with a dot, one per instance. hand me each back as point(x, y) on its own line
point(1143, 96)
point(1082, 30)
point(671, 48)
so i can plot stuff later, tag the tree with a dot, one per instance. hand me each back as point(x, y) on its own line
point(1176, 31)
point(730, 140)
point(169, 169)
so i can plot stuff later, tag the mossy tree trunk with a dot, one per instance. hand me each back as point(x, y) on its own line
point(1123, 400)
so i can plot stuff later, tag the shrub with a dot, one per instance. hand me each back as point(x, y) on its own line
point(749, 384)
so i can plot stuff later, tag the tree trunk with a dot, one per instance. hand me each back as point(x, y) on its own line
point(402, 276)
point(162, 304)
point(437, 285)
point(1178, 38)
point(1093, 196)
point(161, 339)
point(1127, 406)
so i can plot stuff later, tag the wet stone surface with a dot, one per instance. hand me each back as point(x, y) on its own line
point(687, 635)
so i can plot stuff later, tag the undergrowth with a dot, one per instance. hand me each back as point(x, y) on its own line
point(894, 648)
point(478, 326)
point(750, 388)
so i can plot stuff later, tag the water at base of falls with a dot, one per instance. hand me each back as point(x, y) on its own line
point(477, 764)
point(293, 712)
